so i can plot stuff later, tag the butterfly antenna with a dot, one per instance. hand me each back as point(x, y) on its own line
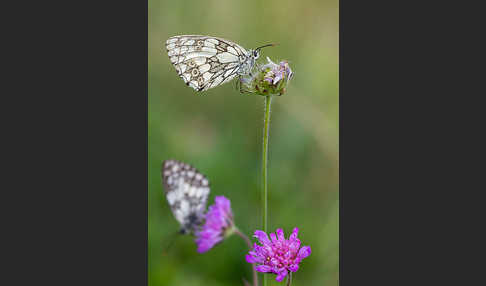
point(267, 45)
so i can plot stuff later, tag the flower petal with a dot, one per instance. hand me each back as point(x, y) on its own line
point(274, 262)
point(294, 267)
point(304, 252)
point(263, 268)
point(294, 246)
point(280, 235)
point(293, 236)
point(278, 77)
point(281, 276)
point(215, 225)
point(250, 259)
point(261, 251)
point(262, 237)
point(273, 237)
point(223, 204)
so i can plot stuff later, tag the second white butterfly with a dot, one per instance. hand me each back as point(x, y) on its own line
point(204, 62)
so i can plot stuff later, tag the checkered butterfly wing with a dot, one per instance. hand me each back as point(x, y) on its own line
point(204, 62)
point(187, 191)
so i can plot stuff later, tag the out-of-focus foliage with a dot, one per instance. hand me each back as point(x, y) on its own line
point(220, 133)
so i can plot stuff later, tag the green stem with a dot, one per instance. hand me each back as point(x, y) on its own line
point(247, 240)
point(289, 278)
point(268, 102)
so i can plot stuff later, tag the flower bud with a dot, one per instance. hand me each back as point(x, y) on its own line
point(268, 79)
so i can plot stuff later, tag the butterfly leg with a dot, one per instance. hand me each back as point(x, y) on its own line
point(238, 84)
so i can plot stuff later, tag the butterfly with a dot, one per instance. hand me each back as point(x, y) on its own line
point(186, 190)
point(204, 62)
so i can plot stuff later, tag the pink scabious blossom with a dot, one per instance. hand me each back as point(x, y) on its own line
point(267, 79)
point(277, 72)
point(219, 222)
point(277, 255)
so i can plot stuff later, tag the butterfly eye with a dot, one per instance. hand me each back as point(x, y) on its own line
point(256, 54)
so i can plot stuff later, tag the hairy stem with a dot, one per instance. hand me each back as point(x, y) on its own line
point(247, 240)
point(289, 278)
point(266, 122)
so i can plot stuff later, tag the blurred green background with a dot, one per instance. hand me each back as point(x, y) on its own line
point(220, 133)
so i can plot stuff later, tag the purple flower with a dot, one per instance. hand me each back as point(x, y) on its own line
point(219, 219)
point(277, 255)
point(269, 79)
point(277, 72)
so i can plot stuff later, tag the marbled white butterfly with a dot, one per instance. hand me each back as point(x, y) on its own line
point(204, 62)
point(186, 190)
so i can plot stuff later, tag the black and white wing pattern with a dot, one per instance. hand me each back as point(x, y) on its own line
point(187, 191)
point(204, 62)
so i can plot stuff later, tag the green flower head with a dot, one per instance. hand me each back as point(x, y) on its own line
point(269, 79)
